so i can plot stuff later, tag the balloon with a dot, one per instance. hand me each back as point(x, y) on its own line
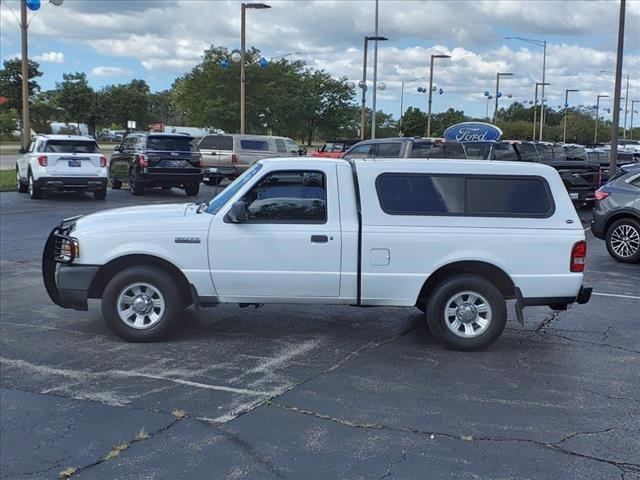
point(361, 84)
point(351, 85)
point(440, 91)
point(509, 95)
point(224, 63)
point(56, 3)
point(499, 94)
point(33, 4)
point(486, 93)
point(381, 86)
point(263, 62)
point(236, 56)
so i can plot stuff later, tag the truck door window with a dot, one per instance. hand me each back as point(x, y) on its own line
point(254, 145)
point(289, 197)
point(361, 151)
point(282, 148)
point(389, 150)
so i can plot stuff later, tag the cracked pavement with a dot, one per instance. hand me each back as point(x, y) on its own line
point(310, 391)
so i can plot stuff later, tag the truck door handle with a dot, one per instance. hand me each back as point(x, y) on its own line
point(319, 239)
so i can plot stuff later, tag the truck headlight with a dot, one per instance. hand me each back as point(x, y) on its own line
point(67, 249)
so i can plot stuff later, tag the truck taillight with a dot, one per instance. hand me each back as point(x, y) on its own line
point(103, 161)
point(42, 160)
point(234, 158)
point(142, 160)
point(578, 256)
point(601, 195)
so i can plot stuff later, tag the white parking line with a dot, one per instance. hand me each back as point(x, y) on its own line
point(616, 295)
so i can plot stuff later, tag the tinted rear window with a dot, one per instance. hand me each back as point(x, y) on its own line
point(558, 153)
point(437, 150)
point(527, 152)
point(71, 146)
point(171, 144)
point(217, 142)
point(478, 150)
point(421, 194)
point(545, 153)
point(388, 150)
point(503, 151)
point(254, 145)
point(575, 153)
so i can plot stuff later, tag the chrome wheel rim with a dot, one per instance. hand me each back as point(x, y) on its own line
point(625, 240)
point(140, 305)
point(467, 314)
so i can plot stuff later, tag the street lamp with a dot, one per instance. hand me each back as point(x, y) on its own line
point(498, 75)
point(535, 107)
point(363, 84)
point(404, 82)
point(489, 97)
point(595, 135)
point(431, 91)
point(543, 44)
point(280, 57)
point(626, 103)
point(633, 102)
point(566, 106)
point(25, 134)
point(243, 8)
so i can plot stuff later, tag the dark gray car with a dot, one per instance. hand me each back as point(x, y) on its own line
point(616, 217)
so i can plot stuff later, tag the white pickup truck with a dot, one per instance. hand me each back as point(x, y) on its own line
point(455, 238)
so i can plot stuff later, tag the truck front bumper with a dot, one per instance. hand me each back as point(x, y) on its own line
point(67, 284)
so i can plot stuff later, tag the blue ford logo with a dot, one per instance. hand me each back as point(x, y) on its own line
point(473, 132)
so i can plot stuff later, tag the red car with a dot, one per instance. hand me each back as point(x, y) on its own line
point(334, 148)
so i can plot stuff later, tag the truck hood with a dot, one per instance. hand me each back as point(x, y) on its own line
point(144, 218)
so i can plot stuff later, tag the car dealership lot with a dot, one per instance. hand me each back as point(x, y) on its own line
point(310, 391)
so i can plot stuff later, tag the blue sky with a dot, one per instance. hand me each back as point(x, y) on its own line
point(118, 40)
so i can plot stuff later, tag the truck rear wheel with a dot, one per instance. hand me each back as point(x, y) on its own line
point(142, 304)
point(192, 189)
point(466, 312)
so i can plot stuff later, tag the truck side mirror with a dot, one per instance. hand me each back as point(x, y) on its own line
point(238, 213)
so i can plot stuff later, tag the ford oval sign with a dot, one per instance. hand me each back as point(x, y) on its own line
point(473, 132)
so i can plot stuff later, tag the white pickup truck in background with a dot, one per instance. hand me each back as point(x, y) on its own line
point(454, 238)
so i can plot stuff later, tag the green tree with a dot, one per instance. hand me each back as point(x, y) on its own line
point(8, 122)
point(414, 122)
point(75, 98)
point(128, 101)
point(441, 121)
point(43, 111)
point(11, 81)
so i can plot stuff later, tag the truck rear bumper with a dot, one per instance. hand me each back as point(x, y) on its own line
point(584, 295)
point(89, 184)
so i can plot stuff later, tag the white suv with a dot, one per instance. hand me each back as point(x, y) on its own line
point(62, 162)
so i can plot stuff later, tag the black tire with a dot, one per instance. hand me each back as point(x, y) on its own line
point(620, 250)
point(213, 181)
point(115, 183)
point(100, 194)
point(34, 191)
point(163, 283)
point(137, 188)
point(457, 285)
point(422, 307)
point(20, 186)
point(166, 188)
point(192, 189)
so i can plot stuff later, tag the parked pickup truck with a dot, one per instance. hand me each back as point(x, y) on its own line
point(454, 238)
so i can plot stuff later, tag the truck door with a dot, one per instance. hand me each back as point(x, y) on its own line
point(290, 246)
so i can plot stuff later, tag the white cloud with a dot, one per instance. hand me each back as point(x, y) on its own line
point(50, 57)
point(110, 72)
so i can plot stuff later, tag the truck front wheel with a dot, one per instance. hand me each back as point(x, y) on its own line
point(142, 304)
point(466, 312)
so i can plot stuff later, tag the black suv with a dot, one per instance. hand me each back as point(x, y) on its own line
point(616, 218)
point(406, 147)
point(157, 160)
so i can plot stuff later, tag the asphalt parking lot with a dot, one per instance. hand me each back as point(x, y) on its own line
point(310, 391)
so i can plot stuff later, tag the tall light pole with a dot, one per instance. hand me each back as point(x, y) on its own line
point(280, 57)
point(375, 76)
point(363, 83)
point(566, 107)
point(431, 91)
point(404, 82)
point(543, 44)
point(595, 135)
point(633, 102)
point(489, 97)
point(615, 124)
point(626, 106)
point(25, 133)
point(498, 75)
point(243, 8)
point(535, 108)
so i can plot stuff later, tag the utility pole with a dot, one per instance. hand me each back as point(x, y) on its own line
point(375, 77)
point(613, 159)
point(26, 125)
point(363, 112)
point(626, 106)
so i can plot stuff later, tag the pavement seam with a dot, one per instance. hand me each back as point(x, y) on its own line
point(622, 466)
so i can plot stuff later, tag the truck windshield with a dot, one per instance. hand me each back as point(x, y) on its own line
point(223, 197)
